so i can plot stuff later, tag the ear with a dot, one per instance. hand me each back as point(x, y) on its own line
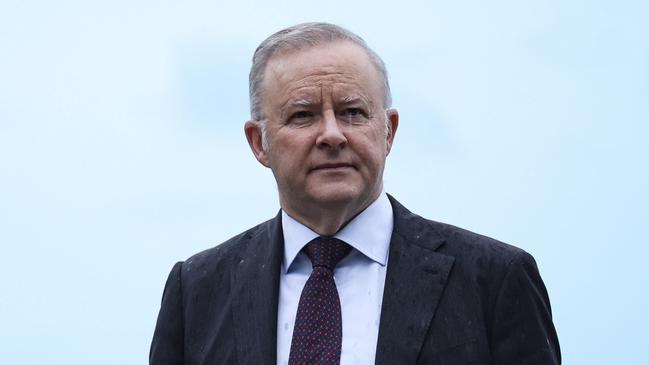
point(252, 129)
point(393, 123)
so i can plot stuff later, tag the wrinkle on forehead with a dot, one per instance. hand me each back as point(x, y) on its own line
point(329, 95)
point(320, 79)
point(315, 90)
point(307, 79)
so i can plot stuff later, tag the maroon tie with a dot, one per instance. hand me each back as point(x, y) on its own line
point(317, 336)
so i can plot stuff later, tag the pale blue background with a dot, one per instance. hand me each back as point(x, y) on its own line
point(122, 151)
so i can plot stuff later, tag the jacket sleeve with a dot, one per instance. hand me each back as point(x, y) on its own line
point(522, 328)
point(167, 346)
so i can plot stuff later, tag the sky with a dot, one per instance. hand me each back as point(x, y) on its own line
point(122, 151)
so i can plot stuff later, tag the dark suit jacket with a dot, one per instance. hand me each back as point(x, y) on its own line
point(451, 297)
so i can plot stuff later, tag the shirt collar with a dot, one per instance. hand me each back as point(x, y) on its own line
point(369, 233)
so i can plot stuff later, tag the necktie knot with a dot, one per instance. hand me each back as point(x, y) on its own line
point(326, 252)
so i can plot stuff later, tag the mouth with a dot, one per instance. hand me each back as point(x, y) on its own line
point(337, 166)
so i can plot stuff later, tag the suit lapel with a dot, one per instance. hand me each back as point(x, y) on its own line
point(414, 283)
point(255, 287)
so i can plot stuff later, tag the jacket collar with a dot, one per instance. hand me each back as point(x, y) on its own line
point(255, 288)
point(414, 283)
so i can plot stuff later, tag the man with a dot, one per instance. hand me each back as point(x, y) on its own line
point(344, 273)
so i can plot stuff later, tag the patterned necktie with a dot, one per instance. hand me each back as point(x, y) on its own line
point(317, 336)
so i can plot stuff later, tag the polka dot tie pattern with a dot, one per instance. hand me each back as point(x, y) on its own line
point(317, 335)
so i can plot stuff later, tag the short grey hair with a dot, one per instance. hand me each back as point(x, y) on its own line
point(301, 37)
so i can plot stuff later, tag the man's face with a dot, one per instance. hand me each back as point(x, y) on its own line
point(327, 137)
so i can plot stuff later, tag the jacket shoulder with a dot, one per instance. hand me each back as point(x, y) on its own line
point(464, 243)
point(227, 253)
point(451, 240)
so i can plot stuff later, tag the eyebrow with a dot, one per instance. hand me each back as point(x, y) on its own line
point(299, 102)
point(349, 99)
point(308, 103)
point(290, 104)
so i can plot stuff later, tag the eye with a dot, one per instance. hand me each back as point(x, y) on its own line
point(302, 114)
point(301, 118)
point(353, 112)
point(353, 115)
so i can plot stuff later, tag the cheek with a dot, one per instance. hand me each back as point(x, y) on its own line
point(371, 146)
point(288, 159)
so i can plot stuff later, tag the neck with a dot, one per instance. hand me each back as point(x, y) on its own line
point(327, 220)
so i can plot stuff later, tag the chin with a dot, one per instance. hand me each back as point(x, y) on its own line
point(339, 195)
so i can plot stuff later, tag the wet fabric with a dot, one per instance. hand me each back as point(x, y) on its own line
point(317, 336)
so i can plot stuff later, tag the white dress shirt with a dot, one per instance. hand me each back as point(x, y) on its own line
point(360, 278)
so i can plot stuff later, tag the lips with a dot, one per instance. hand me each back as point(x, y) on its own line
point(332, 166)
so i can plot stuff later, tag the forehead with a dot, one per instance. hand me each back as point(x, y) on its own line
point(337, 67)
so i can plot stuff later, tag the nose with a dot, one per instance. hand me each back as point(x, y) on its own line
point(331, 136)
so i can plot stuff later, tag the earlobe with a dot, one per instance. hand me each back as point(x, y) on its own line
point(252, 129)
point(393, 123)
